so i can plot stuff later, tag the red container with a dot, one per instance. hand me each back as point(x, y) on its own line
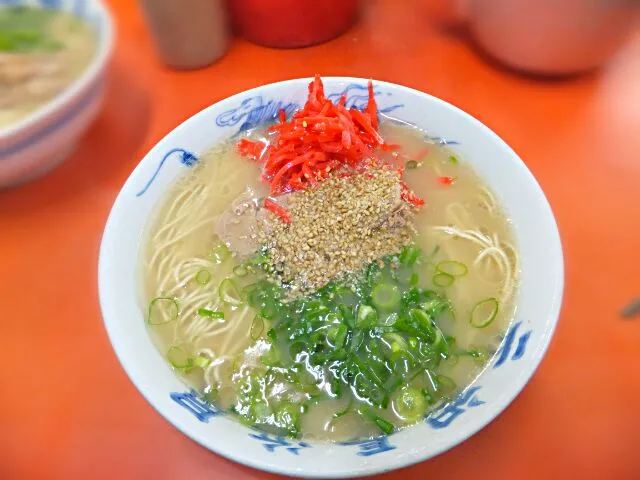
point(292, 23)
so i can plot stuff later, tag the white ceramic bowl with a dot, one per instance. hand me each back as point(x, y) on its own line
point(524, 345)
point(43, 139)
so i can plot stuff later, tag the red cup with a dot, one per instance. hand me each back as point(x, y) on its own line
point(291, 23)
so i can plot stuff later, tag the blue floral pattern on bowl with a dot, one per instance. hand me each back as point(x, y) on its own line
point(449, 412)
point(187, 158)
point(196, 405)
point(502, 355)
point(254, 112)
point(370, 446)
point(272, 443)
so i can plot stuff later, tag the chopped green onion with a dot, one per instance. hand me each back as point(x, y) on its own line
point(201, 362)
point(315, 307)
point(367, 315)
point(346, 410)
point(374, 335)
point(453, 268)
point(211, 394)
point(409, 255)
point(269, 309)
point(228, 292)
point(434, 252)
point(203, 277)
point(427, 396)
point(162, 303)
point(453, 159)
point(410, 404)
point(434, 306)
point(179, 359)
point(484, 312)
point(385, 296)
point(206, 312)
point(257, 327)
point(220, 253)
point(421, 317)
point(339, 335)
point(480, 356)
point(295, 348)
point(287, 417)
point(272, 334)
point(442, 279)
point(336, 387)
point(396, 342)
point(240, 271)
point(260, 410)
point(444, 384)
point(271, 358)
point(380, 422)
point(427, 351)
point(383, 425)
point(412, 164)
point(261, 259)
point(424, 321)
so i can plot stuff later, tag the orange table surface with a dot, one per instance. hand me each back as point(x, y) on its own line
point(67, 409)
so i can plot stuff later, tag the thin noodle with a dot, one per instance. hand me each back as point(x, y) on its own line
point(213, 368)
point(455, 211)
point(491, 247)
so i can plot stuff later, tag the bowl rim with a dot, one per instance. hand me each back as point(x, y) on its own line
point(397, 461)
point(90, 73)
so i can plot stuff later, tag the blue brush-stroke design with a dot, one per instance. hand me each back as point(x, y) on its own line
point(475, 402)
point(371, 446)
point(442, 141)
point(358, 96)
point(505, 349)
point(254, 112)
point(447, 414)
point(271, 443)
point(522, 346)
point(390, 108)
point(187, 158)
point(199, 407)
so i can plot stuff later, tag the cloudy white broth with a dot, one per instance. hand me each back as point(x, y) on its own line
point(326, 285)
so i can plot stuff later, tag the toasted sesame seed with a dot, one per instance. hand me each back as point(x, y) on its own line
point(337, 228)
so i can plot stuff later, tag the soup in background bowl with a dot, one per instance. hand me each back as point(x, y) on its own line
point(355, 318)
point(41, 52)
